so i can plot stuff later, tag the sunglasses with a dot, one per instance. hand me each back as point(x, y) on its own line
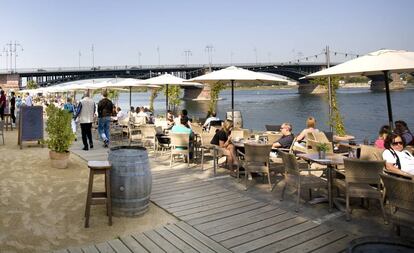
point(398, 143)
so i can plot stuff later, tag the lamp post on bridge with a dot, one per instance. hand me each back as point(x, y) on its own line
point(209, 50)
point(16, 44)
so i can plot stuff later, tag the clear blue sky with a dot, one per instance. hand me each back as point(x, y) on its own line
point(52, 32)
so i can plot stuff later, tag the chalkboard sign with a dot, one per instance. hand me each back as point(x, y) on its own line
point(30, 124)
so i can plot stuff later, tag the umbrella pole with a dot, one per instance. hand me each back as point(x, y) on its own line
point(232, 101)
point(387, 91)
point(166, 101)
point(130, 97)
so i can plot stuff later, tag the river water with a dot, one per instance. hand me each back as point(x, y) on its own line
point(364, 111)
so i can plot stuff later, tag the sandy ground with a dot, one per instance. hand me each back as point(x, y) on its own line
point(42, 208)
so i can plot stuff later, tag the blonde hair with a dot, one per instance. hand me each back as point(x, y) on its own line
point(227, 125)
point(310, 122)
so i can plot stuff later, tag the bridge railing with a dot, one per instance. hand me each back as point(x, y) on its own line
point(153, 67)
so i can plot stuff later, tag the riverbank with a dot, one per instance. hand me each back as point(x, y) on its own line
point(42, 208)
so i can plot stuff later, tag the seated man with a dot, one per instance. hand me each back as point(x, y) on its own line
point(120, 115)
point(213, 117)
point(286, 140)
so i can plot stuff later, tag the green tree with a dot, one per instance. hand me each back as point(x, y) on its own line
point(31, 84)
point(336, 120)
point(174, 96)
point(153, 96)
point(215, 90)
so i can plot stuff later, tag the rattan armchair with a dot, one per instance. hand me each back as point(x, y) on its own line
point(400, 194)
point(180, 145)
point(149, 136)
point(294, 177)
point(256, 159)
point(206, 147)
point(361, 181)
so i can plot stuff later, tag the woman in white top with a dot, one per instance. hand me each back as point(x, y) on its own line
point(396, 158)
point(310, 128)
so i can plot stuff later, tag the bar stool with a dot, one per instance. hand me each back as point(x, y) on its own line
point(97, 198)
point(8, 121)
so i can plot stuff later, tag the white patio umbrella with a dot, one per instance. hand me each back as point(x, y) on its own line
point(380, 62)
point(168, 79)
point(128, 83)
point(232, 74)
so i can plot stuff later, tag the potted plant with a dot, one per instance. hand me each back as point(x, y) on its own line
point(60, 135)
point(322, 148)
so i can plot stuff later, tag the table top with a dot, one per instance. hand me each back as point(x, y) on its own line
point(331, 159)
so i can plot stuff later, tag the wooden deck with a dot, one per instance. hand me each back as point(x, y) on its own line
point(215, 219)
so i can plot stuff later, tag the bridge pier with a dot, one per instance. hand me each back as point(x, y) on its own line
point(378, 82)
point(10, 81)
point(309, 88)
point(196, 93)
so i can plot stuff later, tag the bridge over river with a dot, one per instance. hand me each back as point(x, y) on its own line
point(56, 75)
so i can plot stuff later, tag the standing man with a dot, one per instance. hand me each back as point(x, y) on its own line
point(28, 100)
point(3, 102)
point(13, 107)
point(85, 113)
point(105, 107)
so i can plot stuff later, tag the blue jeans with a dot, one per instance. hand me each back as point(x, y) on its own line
point(103, 127)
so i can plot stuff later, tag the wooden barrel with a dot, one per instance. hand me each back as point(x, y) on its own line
point(380, 244)
point(131, 180)
point(238, 120)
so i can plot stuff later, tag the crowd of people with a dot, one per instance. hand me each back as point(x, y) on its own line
point(392, 141)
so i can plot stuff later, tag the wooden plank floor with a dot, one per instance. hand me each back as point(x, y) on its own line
point(237, 222)
point(215, 219)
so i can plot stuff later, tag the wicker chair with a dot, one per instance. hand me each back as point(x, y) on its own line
point(206, 146)
point(360, 175)
point(180, 145)
point(149, 136)
point(240, 133)
point(293, 176)
point(272, 138)
point(256, 159)
point(273, 127)
point(370, 153)
point(134, 134)
point(400, 194)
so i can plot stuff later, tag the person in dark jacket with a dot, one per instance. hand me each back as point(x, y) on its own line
point(13, 107)
point(105, 107)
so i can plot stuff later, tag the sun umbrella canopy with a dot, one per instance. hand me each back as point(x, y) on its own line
point(372, 64)
point(234, 74)
point(168, 79)
point(379, 62)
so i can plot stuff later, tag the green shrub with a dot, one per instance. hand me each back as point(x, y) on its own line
point(59, 129)
point(323, 146)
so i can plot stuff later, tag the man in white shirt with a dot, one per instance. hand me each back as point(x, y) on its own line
point(28, 100)
point(120, 115)
point(86, 113)
point(213, 117)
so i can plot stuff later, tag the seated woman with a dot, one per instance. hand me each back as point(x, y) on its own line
point(382, 135)
point(170, 119)
point(397, 159)
point(310, 128)
point(222, 138)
